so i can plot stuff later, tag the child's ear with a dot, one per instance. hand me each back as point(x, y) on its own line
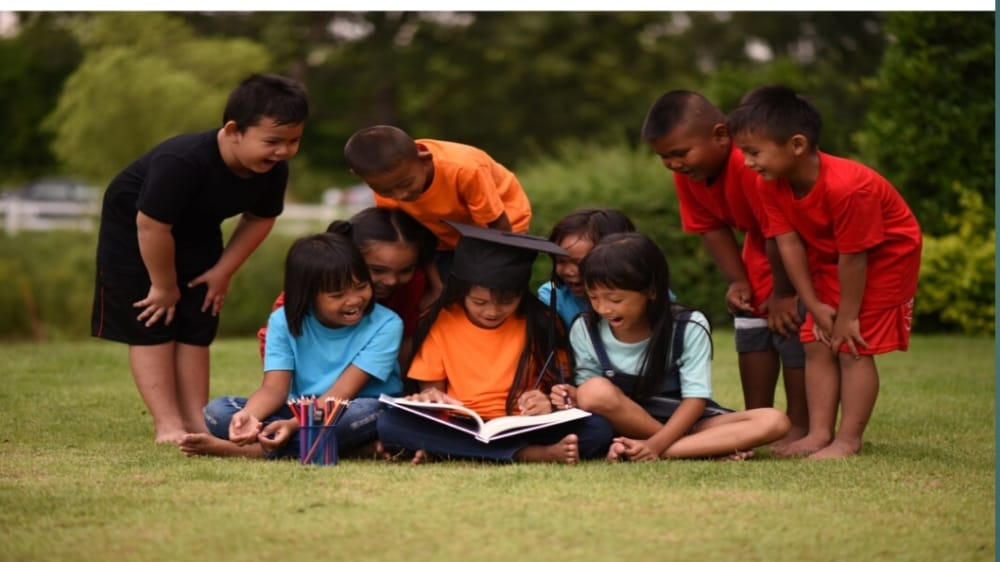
point(230, 128)
point(799, 144)
point(720, 134)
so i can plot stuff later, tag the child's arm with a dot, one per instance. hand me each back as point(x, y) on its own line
point(533, 403)
point(852, 270)
point(348, 384)
point(156, 246)
point(782, 306)
point(721, 244)
point(249, 233)
point(501, 223)
point(793, 256)
point(272, 394)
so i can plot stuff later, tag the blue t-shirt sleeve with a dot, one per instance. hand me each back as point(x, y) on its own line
point(696, 369)
point(380, 354)
point(587, 365)
point(279, 354)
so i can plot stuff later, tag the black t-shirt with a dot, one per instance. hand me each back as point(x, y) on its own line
point(183, 182)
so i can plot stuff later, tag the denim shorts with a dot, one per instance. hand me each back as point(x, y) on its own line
point(752, 335)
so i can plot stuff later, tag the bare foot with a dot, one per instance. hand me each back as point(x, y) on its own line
point(793, 435)
point(566, 451)
point(803, 447)
point(420, 457)
point(737, 456)
point(170, 436)
point(193, 444)
point(616, 452)
point(836, 450)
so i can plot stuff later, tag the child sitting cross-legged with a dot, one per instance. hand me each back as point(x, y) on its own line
point(624, 372)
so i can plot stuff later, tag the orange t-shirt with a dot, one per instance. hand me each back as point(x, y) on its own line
point(469, 187)
point(478, 364)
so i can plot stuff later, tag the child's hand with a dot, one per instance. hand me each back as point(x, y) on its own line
point(433, 395)
point(823, 318)
point(218, 286)
point(739, 297)
point(159, 304)
point(562, 396)
point(276, 434)
point(783, 314)
point(533, 403)
point(633, 449)
point(847, 332)
point(244, 428)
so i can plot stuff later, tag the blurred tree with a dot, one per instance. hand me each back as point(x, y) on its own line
point(932, 115)
point(33, 66)
point(144, 77)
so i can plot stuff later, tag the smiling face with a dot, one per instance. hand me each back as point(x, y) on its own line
point(568, 267)
point(345, 307)
point(624, 310)
point(695, 151)
point(391, 265)
point(485, 310)
point(258, 148)
point(405, 182)
point(770, 159)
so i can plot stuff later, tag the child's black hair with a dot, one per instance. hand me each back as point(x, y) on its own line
point(675, 108)
point(590, 224)
point(375, 224)
point(379, 149)
point(631, 261)
point(320, 263)
point(266, 95)
point(538, 343)
point(777, 113)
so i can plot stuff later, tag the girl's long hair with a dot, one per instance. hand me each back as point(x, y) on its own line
point(320, 263)
point(633, 262)
point(538, 337)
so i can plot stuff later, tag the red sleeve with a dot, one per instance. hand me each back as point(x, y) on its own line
point(696, 217)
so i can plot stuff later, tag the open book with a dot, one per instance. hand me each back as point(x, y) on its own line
point(464, 419)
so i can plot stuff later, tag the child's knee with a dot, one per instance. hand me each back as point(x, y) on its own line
point(598, 395)
point(219, 412)
point(774, 422)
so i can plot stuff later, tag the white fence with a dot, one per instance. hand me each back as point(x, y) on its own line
point(17, 215)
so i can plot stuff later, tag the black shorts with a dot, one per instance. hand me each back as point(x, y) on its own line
point(663, 407)
point(114, 318)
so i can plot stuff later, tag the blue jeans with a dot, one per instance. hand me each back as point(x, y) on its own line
point(398, 429)
point(356, 428)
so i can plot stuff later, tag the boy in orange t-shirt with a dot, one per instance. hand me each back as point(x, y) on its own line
point(856, 272)
point(433, 181)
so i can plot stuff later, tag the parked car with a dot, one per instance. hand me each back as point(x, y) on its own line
point(55, 189)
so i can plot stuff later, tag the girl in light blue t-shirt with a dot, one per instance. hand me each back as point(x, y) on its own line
point(329, 340)
point(659, 408)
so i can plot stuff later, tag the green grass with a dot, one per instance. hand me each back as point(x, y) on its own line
point(80, 479)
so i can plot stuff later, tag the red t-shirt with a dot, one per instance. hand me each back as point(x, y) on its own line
point(731, 201)
point(469, 187)
point(850, 209)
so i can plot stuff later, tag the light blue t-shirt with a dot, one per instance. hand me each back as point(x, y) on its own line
point(695, 370)
point(568, 305)
point(321, 354)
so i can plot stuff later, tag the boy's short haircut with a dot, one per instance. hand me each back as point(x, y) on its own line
point(379, 149)
point(777, 113)
point(675, 108)
point(266, 95)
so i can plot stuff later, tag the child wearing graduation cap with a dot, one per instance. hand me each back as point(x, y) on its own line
point(489, 344)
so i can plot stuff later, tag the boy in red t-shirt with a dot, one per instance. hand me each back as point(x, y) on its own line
point(716, 196)
point(434, 181)
point(856, 272)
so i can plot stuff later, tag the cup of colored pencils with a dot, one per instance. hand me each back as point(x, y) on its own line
point(317, 428)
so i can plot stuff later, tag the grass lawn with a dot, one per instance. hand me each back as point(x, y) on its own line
point(80, 479)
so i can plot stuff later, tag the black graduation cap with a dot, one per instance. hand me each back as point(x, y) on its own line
point(497, 259)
